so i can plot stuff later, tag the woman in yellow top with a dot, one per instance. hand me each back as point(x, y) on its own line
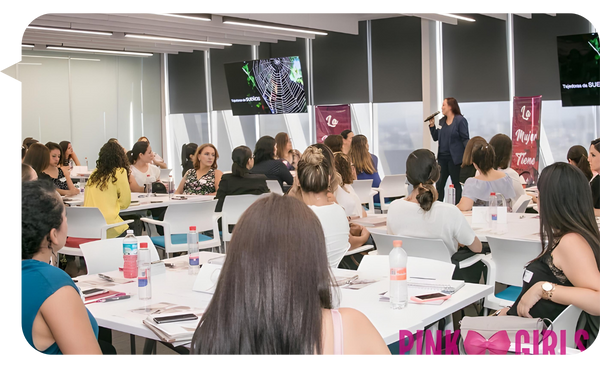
point(108, 186)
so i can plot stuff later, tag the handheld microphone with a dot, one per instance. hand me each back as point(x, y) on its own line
point(431, 116)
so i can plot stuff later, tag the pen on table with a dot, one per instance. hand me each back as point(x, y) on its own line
point(114, 298)
point(421, 278)
point(107, 278)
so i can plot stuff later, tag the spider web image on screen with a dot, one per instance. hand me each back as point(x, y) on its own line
point(279, 81)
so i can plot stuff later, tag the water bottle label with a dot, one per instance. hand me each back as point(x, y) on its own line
point(142, 281)
point(398, 274)
point(494, 217)
point(194, 260)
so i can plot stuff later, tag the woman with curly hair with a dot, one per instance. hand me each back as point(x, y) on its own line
point(108, 186)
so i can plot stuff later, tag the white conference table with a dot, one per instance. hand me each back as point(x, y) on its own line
point(139, 201)
point(175, 286)
point(521, 226)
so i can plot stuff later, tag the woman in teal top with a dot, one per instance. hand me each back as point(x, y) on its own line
point(54, 319)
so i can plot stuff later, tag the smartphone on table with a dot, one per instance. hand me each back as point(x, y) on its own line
point(93, 292)
point(176, 318)
point(429, 297)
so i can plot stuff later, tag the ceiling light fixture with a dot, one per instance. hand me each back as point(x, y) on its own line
point(58, 57)
point(27, 45)
point(99, 51)
point(70, 30)
point(268, 26)
point(194, 17)
point(158, 38)
point(457, 17)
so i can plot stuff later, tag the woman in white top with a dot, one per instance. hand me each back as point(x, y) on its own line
point(157, 160)
point(477, 189)
point(421, 215)
point(314, 176)
point(345, 194)
point(503, 150)
point(142, 171)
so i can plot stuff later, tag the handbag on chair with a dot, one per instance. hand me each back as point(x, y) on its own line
point(494, 335)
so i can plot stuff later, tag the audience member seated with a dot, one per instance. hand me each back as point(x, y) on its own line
point(69, 158)
point(265, 163)
point(421, 215)
point(108, 187)
point(240, 181)
point(345, 195)
point(364, 162)
point(157, 160)
point(38, 157)
point(285, 152)
point(61, 179)
point(594, 159)
point(143, 173)
point(54, 319)
point(335, 142)
point(467, 170)
point(253, 311)
point(27, 142)
point(314, 175)
point(187, 157)
point(23, 152)
point(204, 178)
point(347, 137)
point(578, 156)
point(27, 173)
point(568, 269)
point(117, 142)
point(477, 189)
point(503, 150)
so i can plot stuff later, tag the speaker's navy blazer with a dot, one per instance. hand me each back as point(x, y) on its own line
point(459, 136)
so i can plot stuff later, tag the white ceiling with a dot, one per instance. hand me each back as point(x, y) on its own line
point(215, 30)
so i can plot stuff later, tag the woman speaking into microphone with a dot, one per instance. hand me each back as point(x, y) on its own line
point(452, 136)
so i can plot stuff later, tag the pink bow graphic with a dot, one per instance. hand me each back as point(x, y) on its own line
point(477, 344)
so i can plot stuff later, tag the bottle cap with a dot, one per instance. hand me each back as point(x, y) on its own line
point(492, 193)
point(451, 186)
point(397, 243)
point(192, 227)
point(129, 231)
point(143, 245)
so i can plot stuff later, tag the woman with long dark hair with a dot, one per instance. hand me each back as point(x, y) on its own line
point(240, 181)
point(578, 157)
point(156, 160)
point(61, 179)
point(453, 137)
point(347, 136)
point(477, 189)
point(38, 157)
point(568, 269)
point(274, 291)
point(467, 170)
point(187, 157)
point(594, 159)
point(143, 173)
point(420, 215)
point(69, 158)
point(266, 164)
point(503, 150)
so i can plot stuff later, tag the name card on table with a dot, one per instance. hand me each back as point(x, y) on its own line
point(206, 280)
point(480, 215)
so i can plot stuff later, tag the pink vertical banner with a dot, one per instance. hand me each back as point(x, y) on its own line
point(526, 137)
point(332, 120)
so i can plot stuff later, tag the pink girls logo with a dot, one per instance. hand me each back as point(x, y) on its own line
point(498, 344)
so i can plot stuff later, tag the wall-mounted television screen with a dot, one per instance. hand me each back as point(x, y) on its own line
point(579, 69)
point(269, 86)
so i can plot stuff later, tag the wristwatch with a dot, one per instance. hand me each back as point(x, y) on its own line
point(547, 290)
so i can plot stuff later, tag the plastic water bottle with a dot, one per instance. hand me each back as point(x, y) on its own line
point(171, 186)
point(493, 211)
point(450, 196)
point(193, 256)
point(87, 166)
point(130, 250)
point(143, 263)
point(398, 285)
point(148, 186)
